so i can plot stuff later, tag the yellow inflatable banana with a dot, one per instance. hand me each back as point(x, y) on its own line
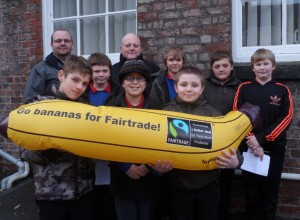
point(127, 134)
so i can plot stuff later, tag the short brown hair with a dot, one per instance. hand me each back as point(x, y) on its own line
point(175, 52)
point(219, 55)
point(99, 59)
point(263, 54)
point(189, 70)
point(77, 63)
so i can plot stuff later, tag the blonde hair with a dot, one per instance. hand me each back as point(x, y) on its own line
point(263, 54)
point(175, 52)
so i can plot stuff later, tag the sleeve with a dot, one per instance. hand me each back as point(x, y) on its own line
point(238, 98)
point(35, 84)
point(278, 129)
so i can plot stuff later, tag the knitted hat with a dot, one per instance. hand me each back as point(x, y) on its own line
point(134, 66)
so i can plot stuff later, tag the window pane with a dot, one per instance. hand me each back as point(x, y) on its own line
point(293, 22)
point(262, 23)
point(69, 26)
point(92, 35)
point(88, 7)
point(117, 5)
point(64, 8)
point(119, 25)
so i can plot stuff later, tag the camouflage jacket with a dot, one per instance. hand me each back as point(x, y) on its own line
point(59, 175)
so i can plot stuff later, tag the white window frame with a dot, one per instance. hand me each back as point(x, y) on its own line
point(48, 28)
point(283, 53)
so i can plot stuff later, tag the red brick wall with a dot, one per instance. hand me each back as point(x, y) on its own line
point(198, 26)
point(21, 48)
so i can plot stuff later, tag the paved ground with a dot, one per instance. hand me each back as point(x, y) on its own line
point(18, 203)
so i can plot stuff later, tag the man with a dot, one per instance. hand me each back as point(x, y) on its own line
point(131, 50)
point(44, 75)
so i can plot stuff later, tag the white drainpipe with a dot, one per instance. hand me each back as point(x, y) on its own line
point(23, 170)
point(285, 176)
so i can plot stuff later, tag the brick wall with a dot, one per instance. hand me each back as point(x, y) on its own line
point(198, 26)
point(21, 49)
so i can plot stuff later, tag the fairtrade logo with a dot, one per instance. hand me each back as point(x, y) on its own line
point(178, 124)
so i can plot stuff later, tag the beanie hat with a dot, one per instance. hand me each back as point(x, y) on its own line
point(134, 66)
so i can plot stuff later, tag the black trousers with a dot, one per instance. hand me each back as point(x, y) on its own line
point(226, 176)
point(261, 193)
point(196, 204)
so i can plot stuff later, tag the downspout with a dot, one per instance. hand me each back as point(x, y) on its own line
point(284, 176)
point(23, 170)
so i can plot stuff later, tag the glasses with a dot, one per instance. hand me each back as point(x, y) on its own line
point(62, 40)
point(132, 79)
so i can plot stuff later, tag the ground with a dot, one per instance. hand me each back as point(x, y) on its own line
point(18, 203)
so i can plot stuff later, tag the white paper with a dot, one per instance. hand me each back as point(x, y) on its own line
point(253, 164)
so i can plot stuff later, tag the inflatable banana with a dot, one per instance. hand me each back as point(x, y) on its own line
point(126, 134)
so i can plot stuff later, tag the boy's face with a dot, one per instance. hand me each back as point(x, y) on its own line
point(74, 84)
point(263, 70)
point(222, 69)
point(134, 84)
point(174, 65)
point(189, 87)
point(101, 75)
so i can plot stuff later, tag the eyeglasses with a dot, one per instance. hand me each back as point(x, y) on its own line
point(62, 40)
point(138, 79)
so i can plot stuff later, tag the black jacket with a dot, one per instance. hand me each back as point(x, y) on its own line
point(276, 111)
point(221, 95)
point(42, 77)
point(192, 179)
point(159, 89)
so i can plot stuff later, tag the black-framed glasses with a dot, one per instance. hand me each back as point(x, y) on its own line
point(132, 79)
point(62, 40)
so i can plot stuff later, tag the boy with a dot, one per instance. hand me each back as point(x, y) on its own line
point(219, 92)
point(194, 194)
point(100, 91)
point(63, 181)
point(135, 186)
point(276, 111)
point(162, 89)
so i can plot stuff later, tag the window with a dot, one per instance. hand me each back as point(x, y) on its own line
point(272, 24)
point(95, 25)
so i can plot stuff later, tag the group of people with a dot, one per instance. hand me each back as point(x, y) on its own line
point(72, 187)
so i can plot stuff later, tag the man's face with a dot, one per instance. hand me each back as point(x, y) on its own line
point(62, 44)
point(131, 47)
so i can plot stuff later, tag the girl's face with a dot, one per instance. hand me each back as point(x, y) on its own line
point(263, 70)
point(222, 69)
point(189, 87)
point(134, 84)
point(174, 65)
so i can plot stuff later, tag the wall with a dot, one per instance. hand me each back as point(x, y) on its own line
point(198, 26)
point(21, 49)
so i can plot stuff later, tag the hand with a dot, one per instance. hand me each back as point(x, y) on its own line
point(136, 172)
point(252, 142)
point(259, 152)
point(229, 160)
point(162, 166)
